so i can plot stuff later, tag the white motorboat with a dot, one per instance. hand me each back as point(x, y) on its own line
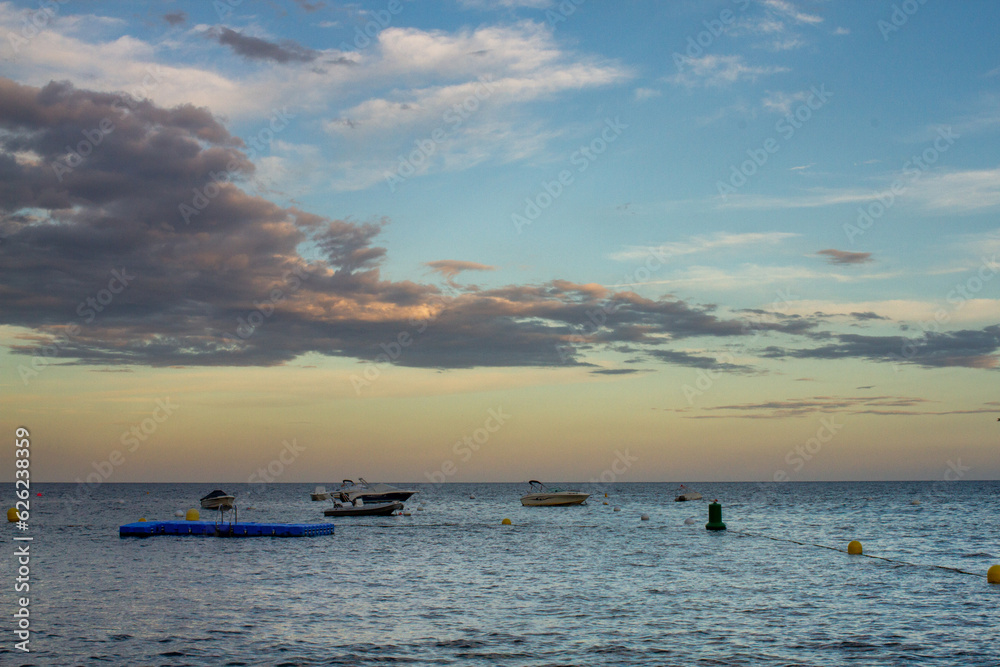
point(371, 492)
point(687, 494)
point(218, 500)
point(359, 508)
point(320, 493)
point(539, 495)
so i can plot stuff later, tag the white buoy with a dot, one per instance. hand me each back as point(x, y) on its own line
point(179, 513)
point(618, 509)
point(914, 502)
point(644, 517)
point(471, 497)
point(690, 521)
point(407, 514)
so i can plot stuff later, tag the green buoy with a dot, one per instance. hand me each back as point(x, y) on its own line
point(715, 517)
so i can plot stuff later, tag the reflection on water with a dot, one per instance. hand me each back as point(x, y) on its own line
point(573, 585)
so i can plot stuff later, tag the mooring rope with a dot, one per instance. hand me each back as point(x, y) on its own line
point(824, 546)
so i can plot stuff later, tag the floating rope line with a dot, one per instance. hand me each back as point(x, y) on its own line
point(823, 546)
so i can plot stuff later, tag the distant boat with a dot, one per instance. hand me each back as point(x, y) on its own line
point(371, 492)
point(218, 500)
point(541, 496)
point(686, 494)
point(320, 493)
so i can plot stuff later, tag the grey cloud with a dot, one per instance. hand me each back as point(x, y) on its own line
point(261, 49)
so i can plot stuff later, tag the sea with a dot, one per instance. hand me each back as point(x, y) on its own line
point(451, 585)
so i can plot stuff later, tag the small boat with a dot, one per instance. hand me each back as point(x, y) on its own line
point(686, 495)
point(361, 509)
point(320, 493)
point(218, 500)
point(539, 495)
point(372, 492)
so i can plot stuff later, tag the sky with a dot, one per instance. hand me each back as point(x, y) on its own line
point(476, 240)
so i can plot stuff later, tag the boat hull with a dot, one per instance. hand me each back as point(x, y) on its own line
point(383, 509)
point(553, 499)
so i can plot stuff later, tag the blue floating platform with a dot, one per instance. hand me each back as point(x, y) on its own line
point(212, 529)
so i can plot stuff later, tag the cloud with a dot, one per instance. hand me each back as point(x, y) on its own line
point(700, 244)
point(243, 281)
point(716, 71)
point(505, 4)
point(854, 405)
point(449, 268)
point(255, 48)
point(954, 192)
point(845, 257)
point(310, 7)
point(791, 12)
point(964, 348)
point(642, 94)
point(175, 18)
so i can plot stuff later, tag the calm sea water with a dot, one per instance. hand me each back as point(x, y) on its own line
point(563, 586)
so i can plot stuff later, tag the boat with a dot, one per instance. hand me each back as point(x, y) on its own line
point(218, 500)
point(539, 495)
point(686, 494)
point(359, 508)
point(320, 493)
point(372, 492)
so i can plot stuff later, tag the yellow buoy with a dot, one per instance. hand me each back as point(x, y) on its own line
point(506, 522)
point(192, 515)
point(854, 548)
point(142, 519)
point(993, 574)
point(12, 515)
